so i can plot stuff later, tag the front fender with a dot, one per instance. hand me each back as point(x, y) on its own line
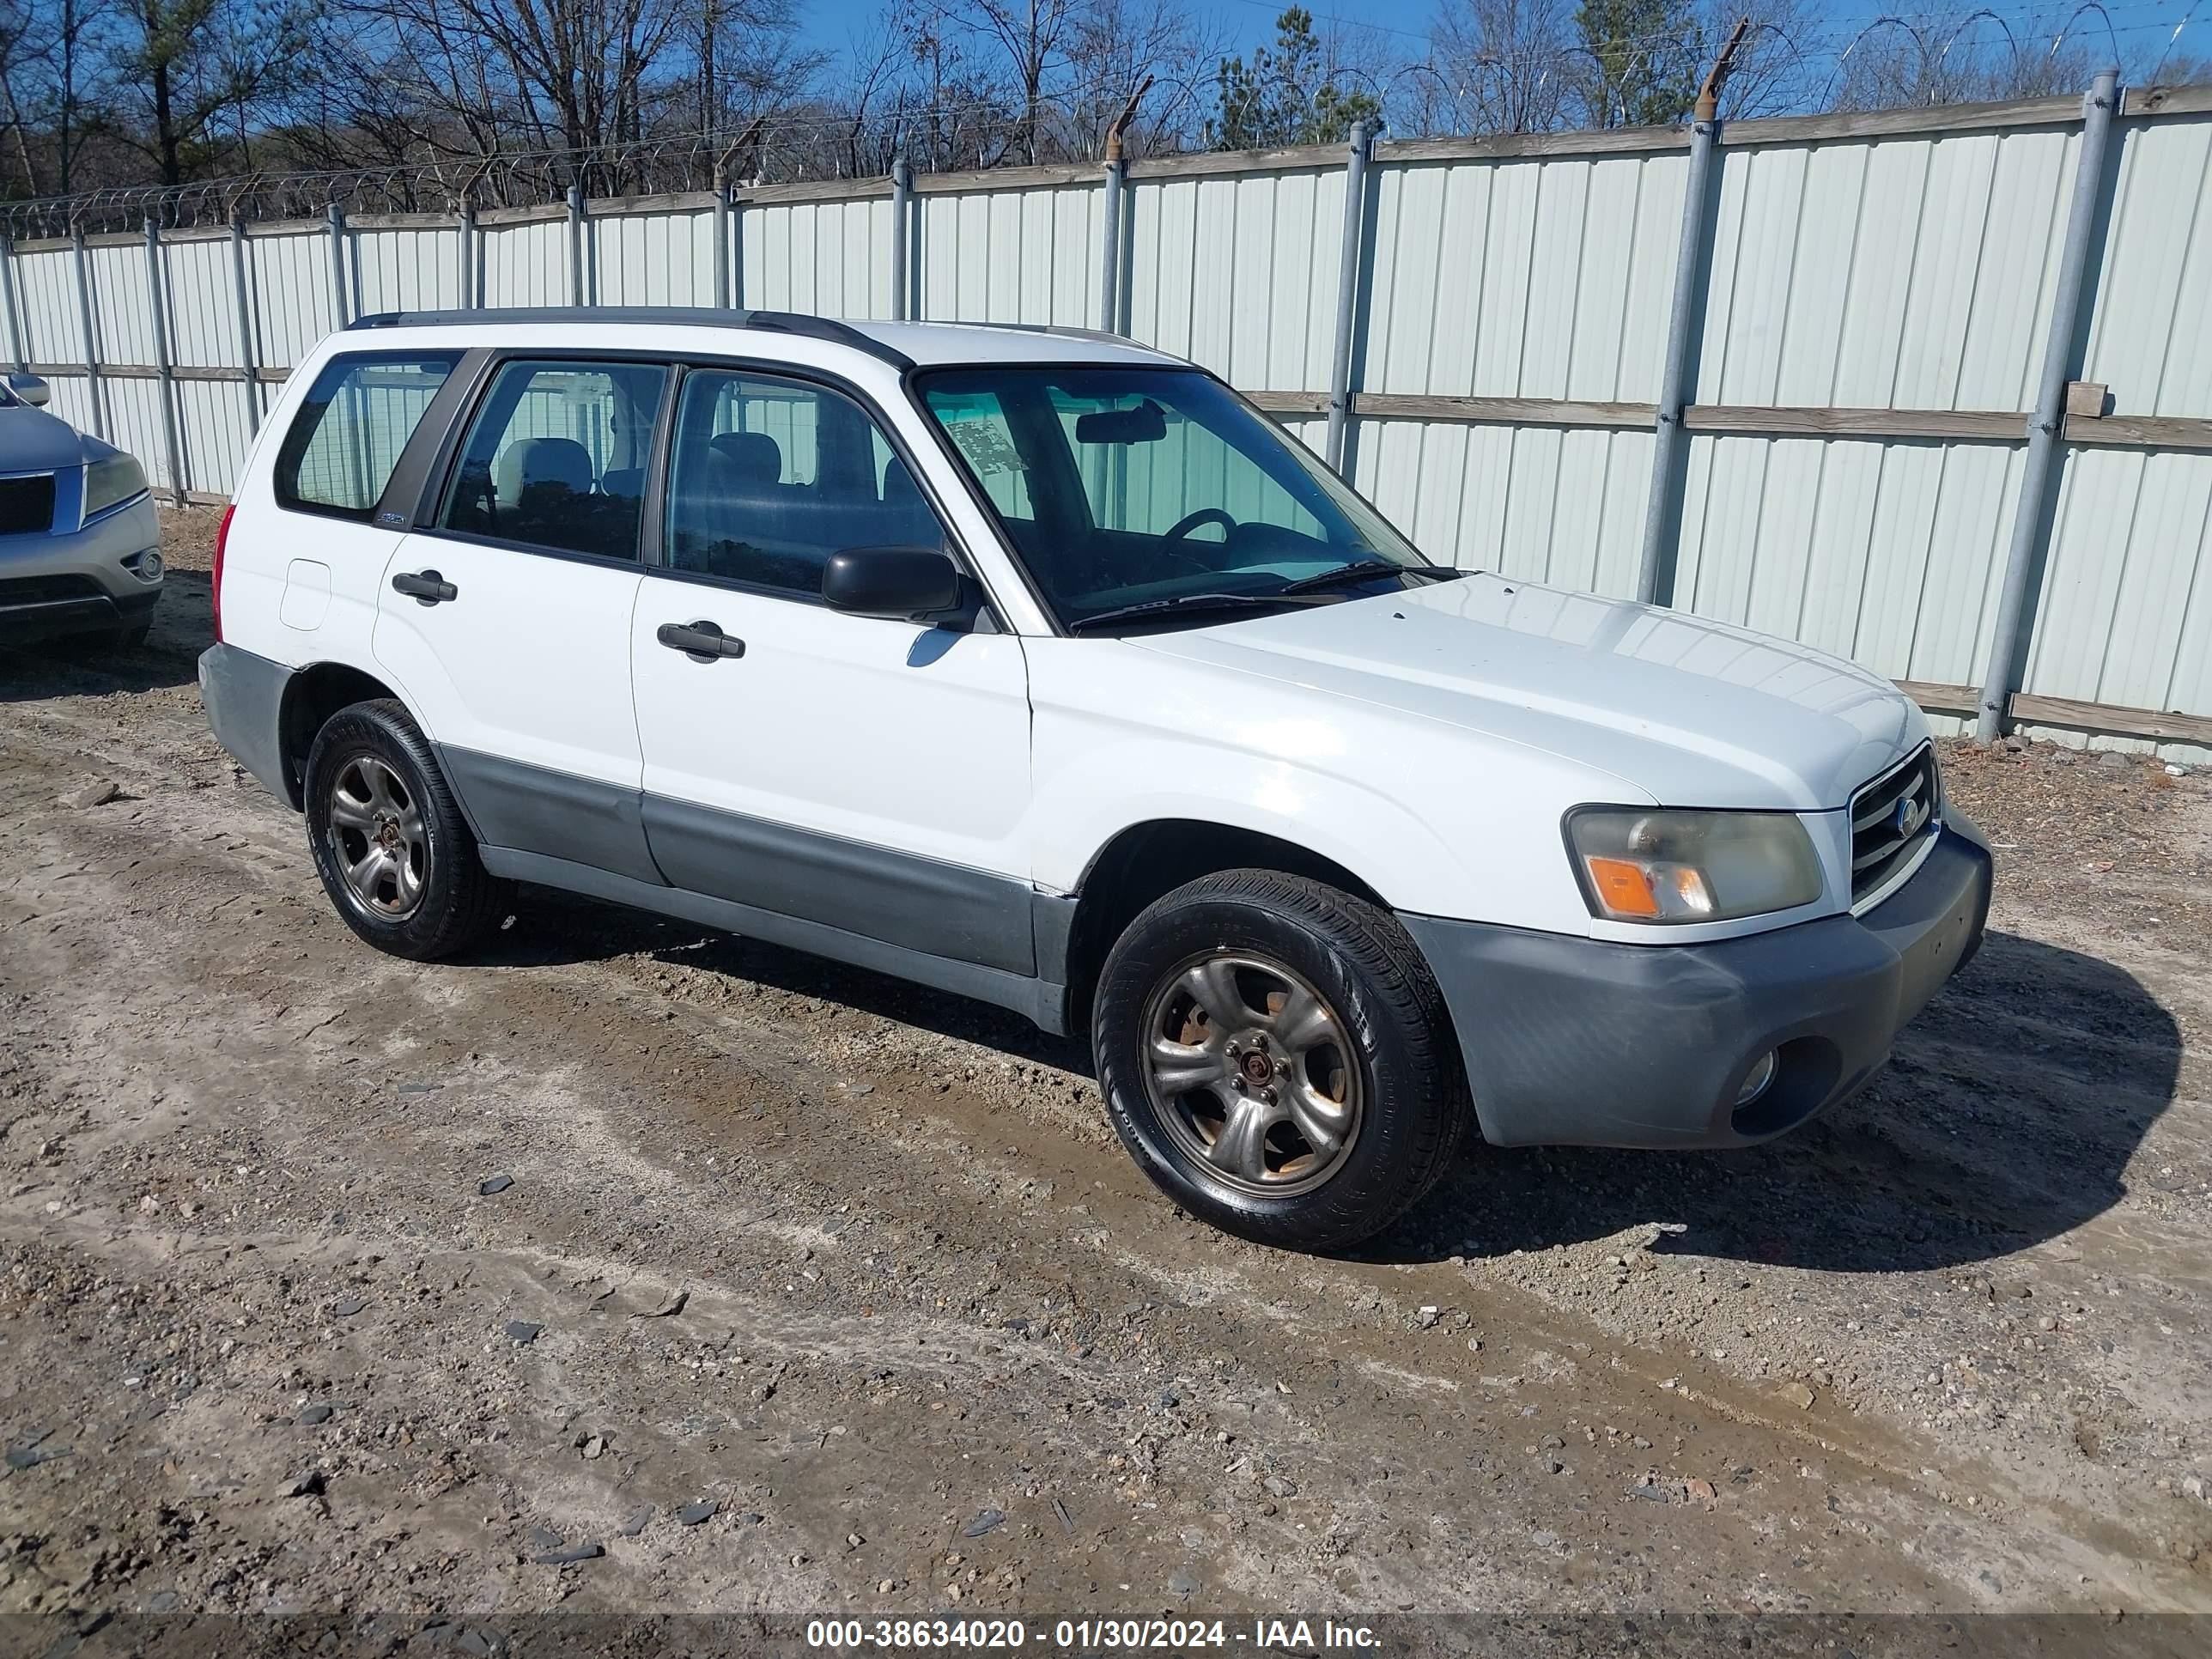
point(1429, 817)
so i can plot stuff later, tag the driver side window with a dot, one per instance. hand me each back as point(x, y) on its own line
point(768, 478)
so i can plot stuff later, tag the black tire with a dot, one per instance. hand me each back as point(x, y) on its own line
point(1412, 1103)
point(458, 899)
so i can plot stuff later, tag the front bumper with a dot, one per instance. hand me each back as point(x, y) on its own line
point(77, 581)
point(1578, 1041)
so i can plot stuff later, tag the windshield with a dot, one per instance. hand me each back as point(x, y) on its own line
point(1145, 486)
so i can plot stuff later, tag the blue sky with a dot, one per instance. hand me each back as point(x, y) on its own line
point(2139, 24)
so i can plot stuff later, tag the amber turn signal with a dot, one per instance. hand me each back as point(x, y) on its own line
point(1623, 887)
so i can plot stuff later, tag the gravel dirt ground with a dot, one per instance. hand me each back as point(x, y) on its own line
point(630, 1268)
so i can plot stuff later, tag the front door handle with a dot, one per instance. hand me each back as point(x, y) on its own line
point(702, 642)
point(427, 587)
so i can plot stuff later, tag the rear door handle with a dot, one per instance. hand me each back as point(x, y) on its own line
point(702, 642)
point(427, 587)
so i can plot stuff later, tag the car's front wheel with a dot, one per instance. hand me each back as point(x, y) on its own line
point(1277, 1058)
point(389, 841)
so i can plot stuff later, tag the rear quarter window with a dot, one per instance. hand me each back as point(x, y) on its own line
point(341, 449)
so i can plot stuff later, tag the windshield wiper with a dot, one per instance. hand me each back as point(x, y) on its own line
point(1151, 608)
point(1365, 570)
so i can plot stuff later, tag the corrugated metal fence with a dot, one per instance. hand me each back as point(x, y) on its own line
point(1873, 301)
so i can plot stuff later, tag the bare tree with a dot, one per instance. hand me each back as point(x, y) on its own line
point(16, 59)
point(1031, 40)
point(1118, 45)
point(1496, 66)
point(55, 64)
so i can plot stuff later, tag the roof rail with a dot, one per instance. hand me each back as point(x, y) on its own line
point(778, 322)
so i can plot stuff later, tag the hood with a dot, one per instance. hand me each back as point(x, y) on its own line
point(1694, 713)
point(32, 440)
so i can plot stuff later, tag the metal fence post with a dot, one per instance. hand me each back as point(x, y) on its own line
point(16, 319)
point(248, 358)
point(468, 216)
point(736, 240)
point(576, 245)
point(93, 390)
point(1117, 182)
point(1110, 270)
point(1662, 530)
point(1684, 326)
point(722, 234)
point(2031, 521)
point(164, 363)
point(339, 313)
point(902, 205)
point(912, 240)
point(1347, 289)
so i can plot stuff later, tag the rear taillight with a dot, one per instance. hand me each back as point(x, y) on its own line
point(214, 588)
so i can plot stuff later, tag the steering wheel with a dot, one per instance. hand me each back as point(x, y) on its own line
point(1190, 521)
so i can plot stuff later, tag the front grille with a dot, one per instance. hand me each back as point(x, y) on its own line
point(27, 504)
point(47, 590)
point(1890, 817)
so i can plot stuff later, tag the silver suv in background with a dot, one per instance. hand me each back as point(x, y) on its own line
point(80, 542)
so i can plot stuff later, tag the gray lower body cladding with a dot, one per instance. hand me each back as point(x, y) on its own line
point(244, 696)
point(1579, 1041)
point(962, 930)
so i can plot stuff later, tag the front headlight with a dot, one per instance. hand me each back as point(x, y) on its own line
point(1655, 865)
point(110, 482)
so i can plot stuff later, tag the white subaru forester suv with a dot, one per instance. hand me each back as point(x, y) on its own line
point(1041, 668)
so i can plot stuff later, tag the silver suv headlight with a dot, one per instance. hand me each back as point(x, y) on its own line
point(1638, 864)
point(111, 481)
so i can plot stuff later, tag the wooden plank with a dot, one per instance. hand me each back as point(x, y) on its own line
point(542, 214)
point(1209, 162)
point(1037, 177)
point(2104, 719)
point(2167, 726)
point(2137, 102)
point(816, 190)
point(1510, 146)
point(1502, 411)
point(1942, 699)
point(667, 201)
point(400, 221)
point(2152, 431)
point(1962, 425)
point(2059, 112)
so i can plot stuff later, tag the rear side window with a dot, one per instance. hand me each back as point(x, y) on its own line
point(348, 436)
point(557, 458)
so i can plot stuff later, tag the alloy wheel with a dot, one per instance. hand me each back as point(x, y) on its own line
point(377, 832)
point(1253, 1072)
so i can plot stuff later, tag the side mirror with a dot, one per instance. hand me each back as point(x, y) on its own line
point(903, 583)
point(31, 389)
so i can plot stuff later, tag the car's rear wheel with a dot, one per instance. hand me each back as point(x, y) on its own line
point(1276, 1056)
point(388, 838)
